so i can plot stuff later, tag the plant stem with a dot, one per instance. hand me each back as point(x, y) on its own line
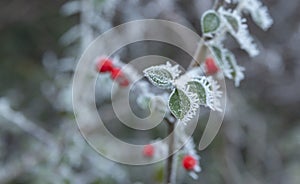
point(199, 55)
point(218, 4)
point(170, 168)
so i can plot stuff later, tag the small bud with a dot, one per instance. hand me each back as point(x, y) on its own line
point(104, 65)
point(189, 162)
point(148, 150)
point(210, 66)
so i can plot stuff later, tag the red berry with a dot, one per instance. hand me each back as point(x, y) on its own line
point(189, 162)
point(148, 150)
point(104, 65)
point(211, 67)
point(116, 73)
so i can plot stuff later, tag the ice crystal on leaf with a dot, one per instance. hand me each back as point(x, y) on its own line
point(216, 94)
point(258, 12)
point(218, 53)
point(183, 104)
point(189, 91)
point(212, 93)
point(237, 71)
point(162, 76)
point(238, 28)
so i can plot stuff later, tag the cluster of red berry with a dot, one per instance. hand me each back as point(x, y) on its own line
point(188, 161)
point(105, 65)
point(210, 66)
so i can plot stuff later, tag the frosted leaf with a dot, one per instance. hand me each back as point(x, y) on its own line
point(216, 94)
point(162, 76)
point(183, 104)
point(210, 22)
point(212, 92)
point(218, 54)
point(237, 71)
point(196, 87)
point(238, 28)
point(258, 12)
point(179, 103)
point(233, 23)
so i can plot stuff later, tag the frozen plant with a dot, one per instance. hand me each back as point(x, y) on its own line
point(186, 92)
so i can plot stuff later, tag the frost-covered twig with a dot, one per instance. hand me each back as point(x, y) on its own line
point(25, 124)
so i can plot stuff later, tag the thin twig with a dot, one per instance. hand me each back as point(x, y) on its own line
point(25, 124)
point(201, 50)
point(218, 4)
point(199, 55)
point(169, 169)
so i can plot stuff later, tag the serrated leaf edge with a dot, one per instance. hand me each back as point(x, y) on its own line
point(242, 36)
point(173, 70)
point(239, 75)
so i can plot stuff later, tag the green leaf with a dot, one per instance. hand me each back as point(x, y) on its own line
point(179, 103)
point(218, 54)
point(197, 88)
point(159, 77)
point(210, 22)
point(233, 22)
point(229, 59)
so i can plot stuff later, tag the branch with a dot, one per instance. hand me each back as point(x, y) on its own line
point(218, 4)
point(25, 124)
point(199, 55)
point(170, 168)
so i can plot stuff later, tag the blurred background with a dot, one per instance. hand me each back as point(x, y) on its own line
point(41, 42)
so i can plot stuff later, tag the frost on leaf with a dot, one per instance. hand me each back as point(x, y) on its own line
point(233, 23)
point(211, 94)
point(183, 104)
point(237, 71)
point(197, 88)
point(258, 12)
point(179, 103)
point(162, 75)
point(239, 30)
point(215, 98)
point(218, 54)
point(210, 22)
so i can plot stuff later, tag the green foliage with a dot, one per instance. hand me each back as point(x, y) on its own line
point(159, 77)
point(210, 22)
point(179, 103)
point(197, 88)
point(233, 22)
